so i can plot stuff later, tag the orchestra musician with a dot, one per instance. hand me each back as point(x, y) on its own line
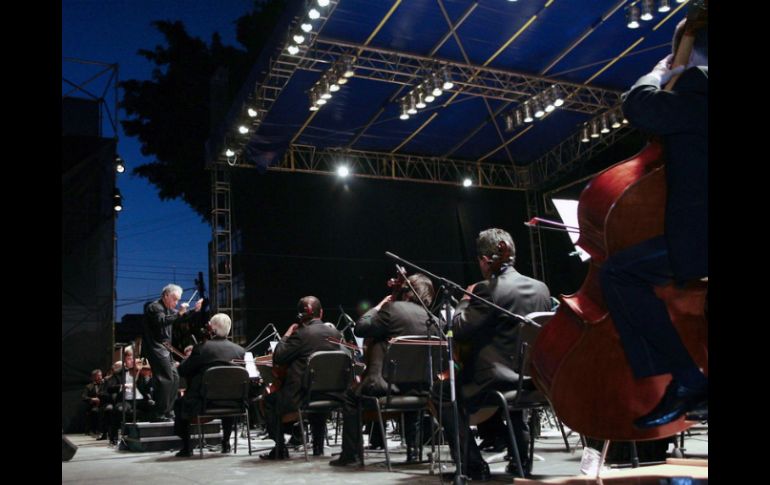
point(308, 335)
point(492, 338)
point(396, 315)
point(649, 338)
point(215, 351)
point(159, 317)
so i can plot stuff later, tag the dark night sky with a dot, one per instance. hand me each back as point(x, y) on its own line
point(158, 241)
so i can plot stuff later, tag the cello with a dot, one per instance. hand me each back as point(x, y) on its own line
point(577, 359)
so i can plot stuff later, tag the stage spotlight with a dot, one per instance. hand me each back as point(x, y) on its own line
point(343, 171)
point(117, 200)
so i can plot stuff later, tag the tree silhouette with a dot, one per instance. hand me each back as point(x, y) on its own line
point(171, 114)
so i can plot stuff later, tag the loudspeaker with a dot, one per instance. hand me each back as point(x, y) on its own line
point(68, 449)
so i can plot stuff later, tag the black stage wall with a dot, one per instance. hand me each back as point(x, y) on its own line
point(304, 234)
point(88, 228)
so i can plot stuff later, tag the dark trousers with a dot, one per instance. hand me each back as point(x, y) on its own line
point(351, 426)
point(467, 405)
point(650, 341)
point(143, 413)
point(107, 414)
point(93, 418)
point(166, 376)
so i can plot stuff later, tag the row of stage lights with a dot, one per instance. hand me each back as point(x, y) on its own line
point(601, 125)
point(535, 108)
point(634, 13)
point(299, 36)
point(330, 82)
point(426, 92)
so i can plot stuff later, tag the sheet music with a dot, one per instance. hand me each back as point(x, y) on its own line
point(568, 211)
point(250, 365)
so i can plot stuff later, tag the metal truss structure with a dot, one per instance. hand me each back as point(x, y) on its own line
point(388, 166)
point(410, 69)
point(564, 157)
point(105, 79)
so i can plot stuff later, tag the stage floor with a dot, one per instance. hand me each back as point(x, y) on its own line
point(97, 462)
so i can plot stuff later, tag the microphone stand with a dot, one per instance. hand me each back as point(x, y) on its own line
point(254, 343)
point(351, 324)
point(449, 283)
point(459, 478)
point(429, 355)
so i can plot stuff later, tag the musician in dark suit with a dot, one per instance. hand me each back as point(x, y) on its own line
point(216, 351)
point(492, 338)
point(392, 317)
point(293, 351)
point(95, 397)
point(651, 343)
point(159, 316)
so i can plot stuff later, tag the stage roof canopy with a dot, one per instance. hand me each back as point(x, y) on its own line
point(501, 57)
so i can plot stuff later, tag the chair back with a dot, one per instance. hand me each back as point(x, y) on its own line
point(225, 385)
point(414, 360)
point(527, 336)
point(328, 371)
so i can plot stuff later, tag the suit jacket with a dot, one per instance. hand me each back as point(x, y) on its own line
point(493, 336)
point(393, 320)
point(680, 117)
point(293, 353)
point(211, 353)
point(158, 321)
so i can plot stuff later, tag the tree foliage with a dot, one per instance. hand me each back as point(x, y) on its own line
point(171, 112)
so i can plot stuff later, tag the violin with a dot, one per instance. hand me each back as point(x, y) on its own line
point(174, 350)
point(396, 284)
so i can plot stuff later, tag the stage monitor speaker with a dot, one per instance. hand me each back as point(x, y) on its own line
point(68, 449)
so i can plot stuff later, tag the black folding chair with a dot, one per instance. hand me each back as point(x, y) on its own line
point(328, 375)
point(225, 392)
point(411, 362)
point(525, 396)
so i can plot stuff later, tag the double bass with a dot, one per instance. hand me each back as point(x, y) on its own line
point(577, 359)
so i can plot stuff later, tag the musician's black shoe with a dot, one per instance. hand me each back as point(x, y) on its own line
point(277, 453)
point(514, 470)
point(318, 450)
point(102, 437)
point(295, 441)
point(225, 447)
point(184, 453)
point(677, 401)
point(375, 447)
point(478, 473)
point(345, 461)
point(411, 455)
